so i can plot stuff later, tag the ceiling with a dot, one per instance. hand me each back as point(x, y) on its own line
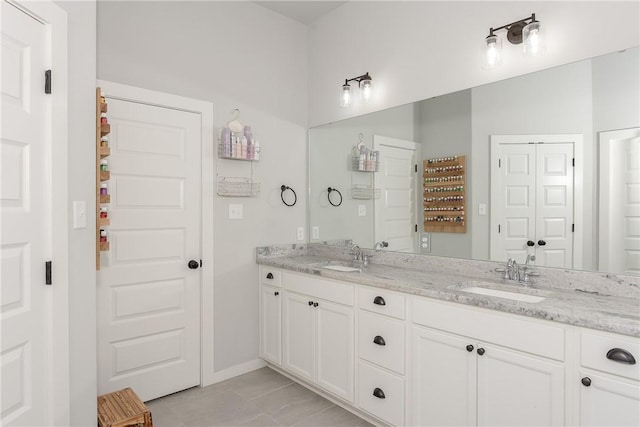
point(305, 12)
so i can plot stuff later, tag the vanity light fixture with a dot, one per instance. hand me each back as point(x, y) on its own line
point(527, 31)
point(364, 83)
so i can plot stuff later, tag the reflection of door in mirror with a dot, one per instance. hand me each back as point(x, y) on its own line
point(619, 247)
point(532, 182)
point(395, 214)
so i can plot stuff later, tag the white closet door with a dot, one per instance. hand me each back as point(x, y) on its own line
point(619, 231)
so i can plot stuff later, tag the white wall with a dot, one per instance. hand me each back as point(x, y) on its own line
point(235, 55)
point(82, 278)
point(416, 50)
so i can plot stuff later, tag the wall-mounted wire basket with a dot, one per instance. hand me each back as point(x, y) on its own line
point(237, 187)
point(366, 163)
point(364, 193)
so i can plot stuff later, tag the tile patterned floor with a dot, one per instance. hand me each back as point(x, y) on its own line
point(259, 399)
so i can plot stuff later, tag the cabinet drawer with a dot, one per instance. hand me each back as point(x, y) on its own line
point(381, 301)
point(320, 288)
point(388, 334)
point(389, 406)
point(270, 276)
point(532, 336)
point(594, 348)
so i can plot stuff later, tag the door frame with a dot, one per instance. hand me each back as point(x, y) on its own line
point(54, 18)
point(578, 182)
point(205, 110)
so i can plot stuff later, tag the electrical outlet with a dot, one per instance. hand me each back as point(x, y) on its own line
point(315, 232)
point(235, 211)
point(425, 242)
point(362, 210)
point(300, 234)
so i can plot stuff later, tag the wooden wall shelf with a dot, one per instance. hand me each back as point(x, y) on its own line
point(102, 151)
point(445, 195)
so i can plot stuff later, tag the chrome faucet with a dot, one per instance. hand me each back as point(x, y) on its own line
point(513, 269)
point(356, 252)
point(521, 274)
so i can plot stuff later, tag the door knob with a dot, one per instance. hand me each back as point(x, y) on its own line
point(481, 351)
point(310, 302)
point(469, 348)
point(531, 243)
point(541, 243)
point(193, 264)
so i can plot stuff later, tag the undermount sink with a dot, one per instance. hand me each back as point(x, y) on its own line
point(343, 268)
point(495, 290)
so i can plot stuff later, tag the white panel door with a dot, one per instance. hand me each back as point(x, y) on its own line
point(619, 226)
point(148, 298)
point(515, 389)
point(444, 379)
point(395, 213)
point(514, 202)
point(25, 209)
point(609, 402)
point(532, 198)
point(334, 346)
point(271, 324)
point(298, 330)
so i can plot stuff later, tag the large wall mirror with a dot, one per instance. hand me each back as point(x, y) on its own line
point(523, 193)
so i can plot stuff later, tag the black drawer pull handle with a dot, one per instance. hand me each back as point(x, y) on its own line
point(269, 275)
point(379, 340)
point(622, 356)
point(379, 301)
point(377, 392)
point(586, 381)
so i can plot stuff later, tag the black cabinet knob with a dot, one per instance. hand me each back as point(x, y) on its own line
point(269, 275)
point(379, 340)
point(586, 381)
point(379, 301)
point(531, 243)
point(481, 351)
point(276, 293)
point(193, 264)
point(541, 243)
point(310, 302)
point(621, 355)
point(377, 392)
point(469, 348)
point(315, 304)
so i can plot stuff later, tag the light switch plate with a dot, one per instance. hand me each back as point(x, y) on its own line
point(315, 232)
point(482, 209)
point(235, 211)
point(362, 210)
point(79, 214)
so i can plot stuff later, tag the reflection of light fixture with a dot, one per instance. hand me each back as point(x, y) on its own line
point(364, 83)
point(528, 30)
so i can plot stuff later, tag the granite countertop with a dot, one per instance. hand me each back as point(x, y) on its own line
point(571, 304)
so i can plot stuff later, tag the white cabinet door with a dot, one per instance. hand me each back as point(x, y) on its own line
point(334, 348)
point(518, 389)
point(608, 402)
point(270, 324)
point(444, 379)
point(299, 334)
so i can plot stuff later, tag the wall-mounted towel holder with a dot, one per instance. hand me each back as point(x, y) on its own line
point(283, 189)
point(334, 190)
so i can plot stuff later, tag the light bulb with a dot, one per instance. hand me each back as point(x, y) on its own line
point(492, 51)
point(345, 95)
point(533, 37)
point(366, 90)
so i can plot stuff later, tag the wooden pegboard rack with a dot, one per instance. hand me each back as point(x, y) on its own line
point(444, 194)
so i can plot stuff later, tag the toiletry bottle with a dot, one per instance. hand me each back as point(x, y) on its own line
point(226, 141)
point(243, 147)
point(104, 165)
point(103, 189)
point(256, 148)
point(250, 148)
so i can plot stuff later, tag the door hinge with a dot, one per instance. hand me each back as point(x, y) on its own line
point(499, 163)
point(416, 228)
point(47, 274)
point(573, 162)
point(498, 228)
point(573, 228)
point(47, 82)
point(200, 263)
point(416, 168)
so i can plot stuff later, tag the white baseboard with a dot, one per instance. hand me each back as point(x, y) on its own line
point(236, 370)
